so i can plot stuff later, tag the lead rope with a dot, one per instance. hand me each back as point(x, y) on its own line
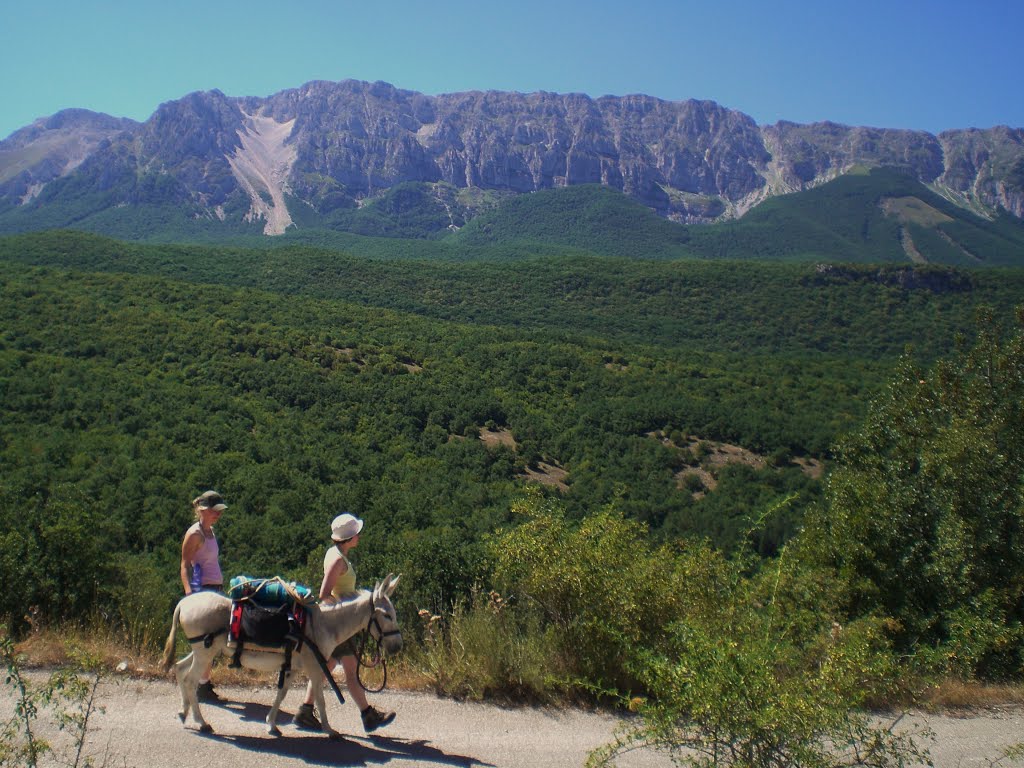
point(376, 660)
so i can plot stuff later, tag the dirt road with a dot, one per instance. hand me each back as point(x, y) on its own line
point(140, 728)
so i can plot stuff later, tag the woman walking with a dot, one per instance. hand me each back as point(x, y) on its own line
point(339, 582)
point(200, 563)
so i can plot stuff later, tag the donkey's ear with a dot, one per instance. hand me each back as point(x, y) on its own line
point(381, 590)
point(390, 584)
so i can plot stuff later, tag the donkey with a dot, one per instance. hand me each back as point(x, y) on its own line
point(204, 618)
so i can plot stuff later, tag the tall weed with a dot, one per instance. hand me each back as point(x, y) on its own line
point(483, 649)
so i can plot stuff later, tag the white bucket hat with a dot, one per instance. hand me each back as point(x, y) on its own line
point(345, 526)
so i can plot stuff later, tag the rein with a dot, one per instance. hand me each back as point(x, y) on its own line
point(377, 658)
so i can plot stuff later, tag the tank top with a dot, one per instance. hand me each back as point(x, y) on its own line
point(346, 583)
point(207, 557)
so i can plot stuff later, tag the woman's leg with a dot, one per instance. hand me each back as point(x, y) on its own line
point(349, 664)
point(331, 664)
point(373, 718)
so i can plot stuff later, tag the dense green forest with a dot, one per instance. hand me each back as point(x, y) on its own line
point(129, 390)
point(846, 220)
point(855, 311)
point(550, 427)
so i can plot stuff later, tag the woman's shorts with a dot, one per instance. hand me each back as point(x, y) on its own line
point(349, 648)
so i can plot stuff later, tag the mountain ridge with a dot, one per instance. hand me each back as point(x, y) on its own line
point(350, 141)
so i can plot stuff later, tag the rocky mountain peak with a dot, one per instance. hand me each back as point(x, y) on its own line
point(350, 141)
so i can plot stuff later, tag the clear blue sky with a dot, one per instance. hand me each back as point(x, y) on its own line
point(887, 63)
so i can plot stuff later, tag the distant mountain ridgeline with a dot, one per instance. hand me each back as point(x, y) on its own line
point(374, 160)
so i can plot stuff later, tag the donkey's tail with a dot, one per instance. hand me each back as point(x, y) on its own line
point(169, 645)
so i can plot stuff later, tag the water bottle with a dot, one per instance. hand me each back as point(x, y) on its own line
point(196, 582)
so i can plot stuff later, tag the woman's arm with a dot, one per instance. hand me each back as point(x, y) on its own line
point(331, 575)
point(191, 544)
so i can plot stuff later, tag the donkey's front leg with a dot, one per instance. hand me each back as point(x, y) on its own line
point(272, 728)
point(321, 706)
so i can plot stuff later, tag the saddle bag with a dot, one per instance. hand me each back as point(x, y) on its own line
point(265, 626)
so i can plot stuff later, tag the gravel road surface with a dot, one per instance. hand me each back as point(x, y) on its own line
point(139, 728)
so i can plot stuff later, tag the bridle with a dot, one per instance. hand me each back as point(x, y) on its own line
point(377, 658)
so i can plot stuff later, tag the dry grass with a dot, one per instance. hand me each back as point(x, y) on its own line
point(913, 210)
point(960, 696)
point(547, 474)
point(57, 647)
point(48, 648)
point(492, 438)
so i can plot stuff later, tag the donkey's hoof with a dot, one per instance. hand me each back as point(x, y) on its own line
point(181, 716)
point(273, 730)
point(206, 728)
point(335, 736)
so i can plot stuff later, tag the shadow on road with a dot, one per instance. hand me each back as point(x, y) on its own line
point(317, 749)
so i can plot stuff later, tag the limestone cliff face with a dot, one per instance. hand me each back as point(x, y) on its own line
point(805, 155)
point(985, 167)
point(333, 145)
point(356, 139)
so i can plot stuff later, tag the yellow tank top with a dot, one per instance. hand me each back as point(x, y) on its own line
point(346, 583)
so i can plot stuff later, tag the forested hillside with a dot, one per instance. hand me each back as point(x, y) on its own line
point(861, 311)
point(122, 392)
point(439, 400)
point(877, 217)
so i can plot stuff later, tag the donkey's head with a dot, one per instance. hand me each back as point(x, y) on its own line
point(384, 620)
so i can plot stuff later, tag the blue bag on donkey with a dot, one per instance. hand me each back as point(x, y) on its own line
point(269, 613)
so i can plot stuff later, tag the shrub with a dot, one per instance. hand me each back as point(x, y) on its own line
point(601, 587)
point(142, 601)
point(766, 680)
point(923, 518)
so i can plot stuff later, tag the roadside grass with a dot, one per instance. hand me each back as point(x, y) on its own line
point(468, 666)
point(958, 695)
point(54, 647)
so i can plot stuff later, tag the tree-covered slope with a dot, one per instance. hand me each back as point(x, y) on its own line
point(589, 217)
point(122, 393)
point(881, 216)
point(735, 306)
point(878, 216)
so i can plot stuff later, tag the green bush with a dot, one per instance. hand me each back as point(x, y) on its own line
point(55, 554)
point(923, 517)
point(738, 692)
point(143, 599)
point(600, 585)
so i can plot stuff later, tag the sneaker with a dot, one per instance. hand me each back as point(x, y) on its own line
point(373, 719)
point(205, 692)
point(305, 718)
